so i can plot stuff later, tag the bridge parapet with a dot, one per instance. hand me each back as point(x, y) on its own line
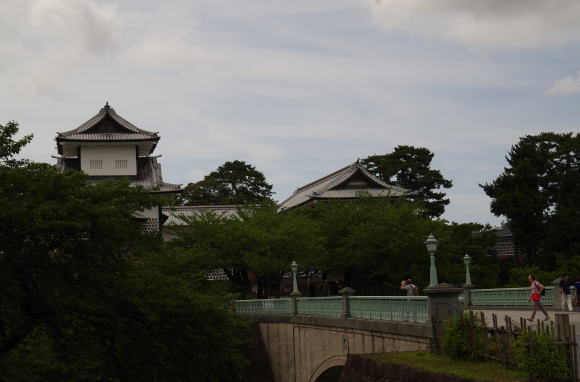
point(389, 308)
point(509, 297)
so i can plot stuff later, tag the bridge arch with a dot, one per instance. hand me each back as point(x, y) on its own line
point(329, 370)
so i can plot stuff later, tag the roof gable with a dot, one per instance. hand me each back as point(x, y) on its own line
point(347, 183)
point(107, 125)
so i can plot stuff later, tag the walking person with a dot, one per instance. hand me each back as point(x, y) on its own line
point(565, 292)
point(536, 290)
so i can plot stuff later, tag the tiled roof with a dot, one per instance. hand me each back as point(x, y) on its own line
point(105, 137)
point(330, 187)
point(107, 125)
point(350, 194)
point(174, 212)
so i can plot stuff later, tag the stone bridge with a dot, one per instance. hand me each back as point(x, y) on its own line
point(314, 349)
point(309, 339)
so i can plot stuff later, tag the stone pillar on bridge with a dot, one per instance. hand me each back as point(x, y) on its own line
point(442, 304)
point(443, 301)
point(346, 292)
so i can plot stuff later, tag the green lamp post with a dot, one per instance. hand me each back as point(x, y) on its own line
point(295, 291)
point(431, 244)
point(467, 261)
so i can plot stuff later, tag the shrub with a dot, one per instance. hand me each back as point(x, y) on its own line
point(462, 338)
point(538, 357)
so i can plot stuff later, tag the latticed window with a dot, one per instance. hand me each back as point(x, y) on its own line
point(121, 163)
point(95, 164)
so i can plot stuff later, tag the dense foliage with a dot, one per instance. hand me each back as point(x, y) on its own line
point(369, 241)
point(540, 358)
point(259, 240)
point(410, 167)
point(539, 194)
point(87, 296)
point(234, 182)
point(462, 340)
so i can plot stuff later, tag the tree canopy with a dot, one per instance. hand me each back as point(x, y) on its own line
point(8, 146)
point(259, 240)
point(365, 242)
point(410, 167)
point(88, 296)
point(538, 194)
point(234, 182)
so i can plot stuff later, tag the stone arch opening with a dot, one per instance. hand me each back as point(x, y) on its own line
point(331, 374)
point(329, 370)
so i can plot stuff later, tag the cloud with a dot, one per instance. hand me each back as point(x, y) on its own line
point(483, 24)
point(166, 48)
point(566, 86)
point(43, 41)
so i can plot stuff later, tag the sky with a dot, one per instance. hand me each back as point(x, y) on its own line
point(299, 88)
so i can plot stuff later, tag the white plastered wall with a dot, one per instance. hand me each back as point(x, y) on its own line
point(109, 154)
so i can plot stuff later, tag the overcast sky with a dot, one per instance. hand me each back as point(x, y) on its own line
point(299, 88)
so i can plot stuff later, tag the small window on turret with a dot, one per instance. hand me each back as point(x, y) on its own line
point(96, 164)
point(121, 163)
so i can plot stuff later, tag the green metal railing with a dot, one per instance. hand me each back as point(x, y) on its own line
point(509, 297)
point(268, 306)
point(392, 308)
point(411, 308)
point(320, 306)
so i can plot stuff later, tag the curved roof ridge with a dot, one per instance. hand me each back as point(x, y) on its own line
point(107, 110)
point(329, 182)
point(320, 180)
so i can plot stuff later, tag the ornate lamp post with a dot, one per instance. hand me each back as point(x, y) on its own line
point(467, 261)
point(431, 244)
point(295, 291)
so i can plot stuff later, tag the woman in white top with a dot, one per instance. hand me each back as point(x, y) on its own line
point(536, 295)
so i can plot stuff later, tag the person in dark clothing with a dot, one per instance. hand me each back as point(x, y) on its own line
point(565, 292)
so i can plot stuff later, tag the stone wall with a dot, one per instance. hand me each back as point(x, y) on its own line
point(361, 369)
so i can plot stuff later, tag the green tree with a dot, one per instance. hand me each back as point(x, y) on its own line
point(373, 241)
point(475, 240)
point(538, 194)
point(410, 167)
point(259, 240)
point(234, 182)
point(271, 240)
point(86, 296)
point(379, 242)
point(8, 146)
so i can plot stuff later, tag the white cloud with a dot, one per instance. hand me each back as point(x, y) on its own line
point(565, 86)
point(43, 41)
point(483, 24)
point(166, 48)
